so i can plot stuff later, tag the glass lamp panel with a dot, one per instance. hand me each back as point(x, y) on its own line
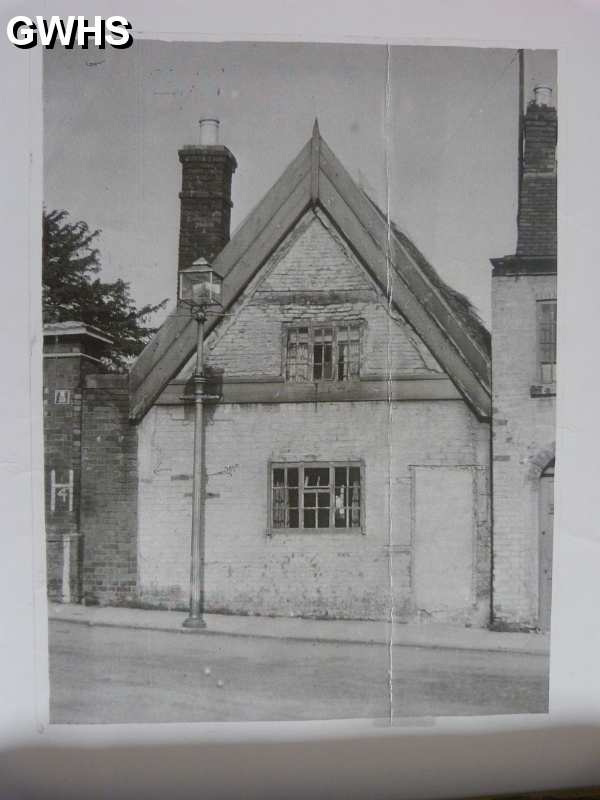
point(186, 285)
point(200, 286)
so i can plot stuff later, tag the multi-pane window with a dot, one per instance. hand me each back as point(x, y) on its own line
point(348, 352)
point(547, 340)
point(298, 343)
point(323, 353)
point(316, 496)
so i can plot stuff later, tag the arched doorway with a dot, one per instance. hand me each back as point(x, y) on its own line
point(545, 550)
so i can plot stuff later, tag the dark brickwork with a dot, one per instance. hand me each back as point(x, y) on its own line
point(109, 492)
point(62, 426)
point(537, 211)
point(68, 358)
point(205, 201)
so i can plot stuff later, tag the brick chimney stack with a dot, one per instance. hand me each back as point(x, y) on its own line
point(206, 172)
point(537, 193)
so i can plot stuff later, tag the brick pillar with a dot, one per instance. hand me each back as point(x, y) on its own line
point(71, 351)
point(206, 173)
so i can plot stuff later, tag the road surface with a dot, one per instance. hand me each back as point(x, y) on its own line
point(105, 674)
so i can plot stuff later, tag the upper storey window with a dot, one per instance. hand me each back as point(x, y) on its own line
point(547, 340)
point(323, 352)
point(545, 385)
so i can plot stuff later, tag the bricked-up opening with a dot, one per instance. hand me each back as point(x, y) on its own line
point(206, 172)
point(537, 214)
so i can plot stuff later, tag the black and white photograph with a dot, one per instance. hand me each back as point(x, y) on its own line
point(299, 380)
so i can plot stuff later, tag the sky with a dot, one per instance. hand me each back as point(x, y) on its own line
point(442, 130)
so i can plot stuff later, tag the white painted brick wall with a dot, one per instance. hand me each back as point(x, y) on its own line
point(308, 574)
point(523, 431)
point(313, 258)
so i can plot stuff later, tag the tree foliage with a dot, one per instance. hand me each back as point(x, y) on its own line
point(72, 290)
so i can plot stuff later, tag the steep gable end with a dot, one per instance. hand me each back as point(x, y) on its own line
point(315, 260)
point(316, 179)
point(312, 279)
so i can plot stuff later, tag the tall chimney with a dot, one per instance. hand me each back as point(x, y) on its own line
point(537, 193)
point(206, 172)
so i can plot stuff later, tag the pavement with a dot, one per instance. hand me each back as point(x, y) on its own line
point(428, 635)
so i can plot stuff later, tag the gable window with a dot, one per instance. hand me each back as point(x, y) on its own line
point(316, 496)
point(323, 352)
point(547, 340)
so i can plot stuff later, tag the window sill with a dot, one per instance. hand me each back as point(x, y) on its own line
point(323, 382)
point(314, 531)
point(543, 390)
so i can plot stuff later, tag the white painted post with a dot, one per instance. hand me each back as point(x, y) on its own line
point(66, 569)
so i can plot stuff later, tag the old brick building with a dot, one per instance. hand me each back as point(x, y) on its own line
point(347, 458)
point(524, 370)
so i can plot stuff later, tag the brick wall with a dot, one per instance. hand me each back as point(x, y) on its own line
point(313, 276)
point(62, 454)
point(109, 492)
point(537, 210)
point(337, 574)
point(205, 202)
point(523, 443)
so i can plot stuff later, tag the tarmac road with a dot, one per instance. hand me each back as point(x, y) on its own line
point(109, 674)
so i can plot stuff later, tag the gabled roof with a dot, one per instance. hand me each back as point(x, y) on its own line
point(461, 304)
point(444, 320)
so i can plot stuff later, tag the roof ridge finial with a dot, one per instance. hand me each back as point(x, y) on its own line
point(315, 157)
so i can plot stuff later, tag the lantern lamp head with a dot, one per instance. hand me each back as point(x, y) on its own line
point(200, 286)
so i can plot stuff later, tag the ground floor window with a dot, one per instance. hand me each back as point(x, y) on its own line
point(316, 496)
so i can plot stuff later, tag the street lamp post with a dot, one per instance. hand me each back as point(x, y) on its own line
point(199, 287)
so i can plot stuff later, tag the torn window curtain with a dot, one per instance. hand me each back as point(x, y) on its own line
point(316, 496)
point(323, 353)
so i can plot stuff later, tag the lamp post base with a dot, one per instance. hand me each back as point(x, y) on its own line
point(194, 623)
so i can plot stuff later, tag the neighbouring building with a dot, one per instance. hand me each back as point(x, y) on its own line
point(359, 449)
point(524, 387)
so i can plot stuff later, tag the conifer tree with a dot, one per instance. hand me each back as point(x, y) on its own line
point(72, 290)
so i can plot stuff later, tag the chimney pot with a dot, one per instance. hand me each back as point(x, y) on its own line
point(209, 132)
point(542, 95)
